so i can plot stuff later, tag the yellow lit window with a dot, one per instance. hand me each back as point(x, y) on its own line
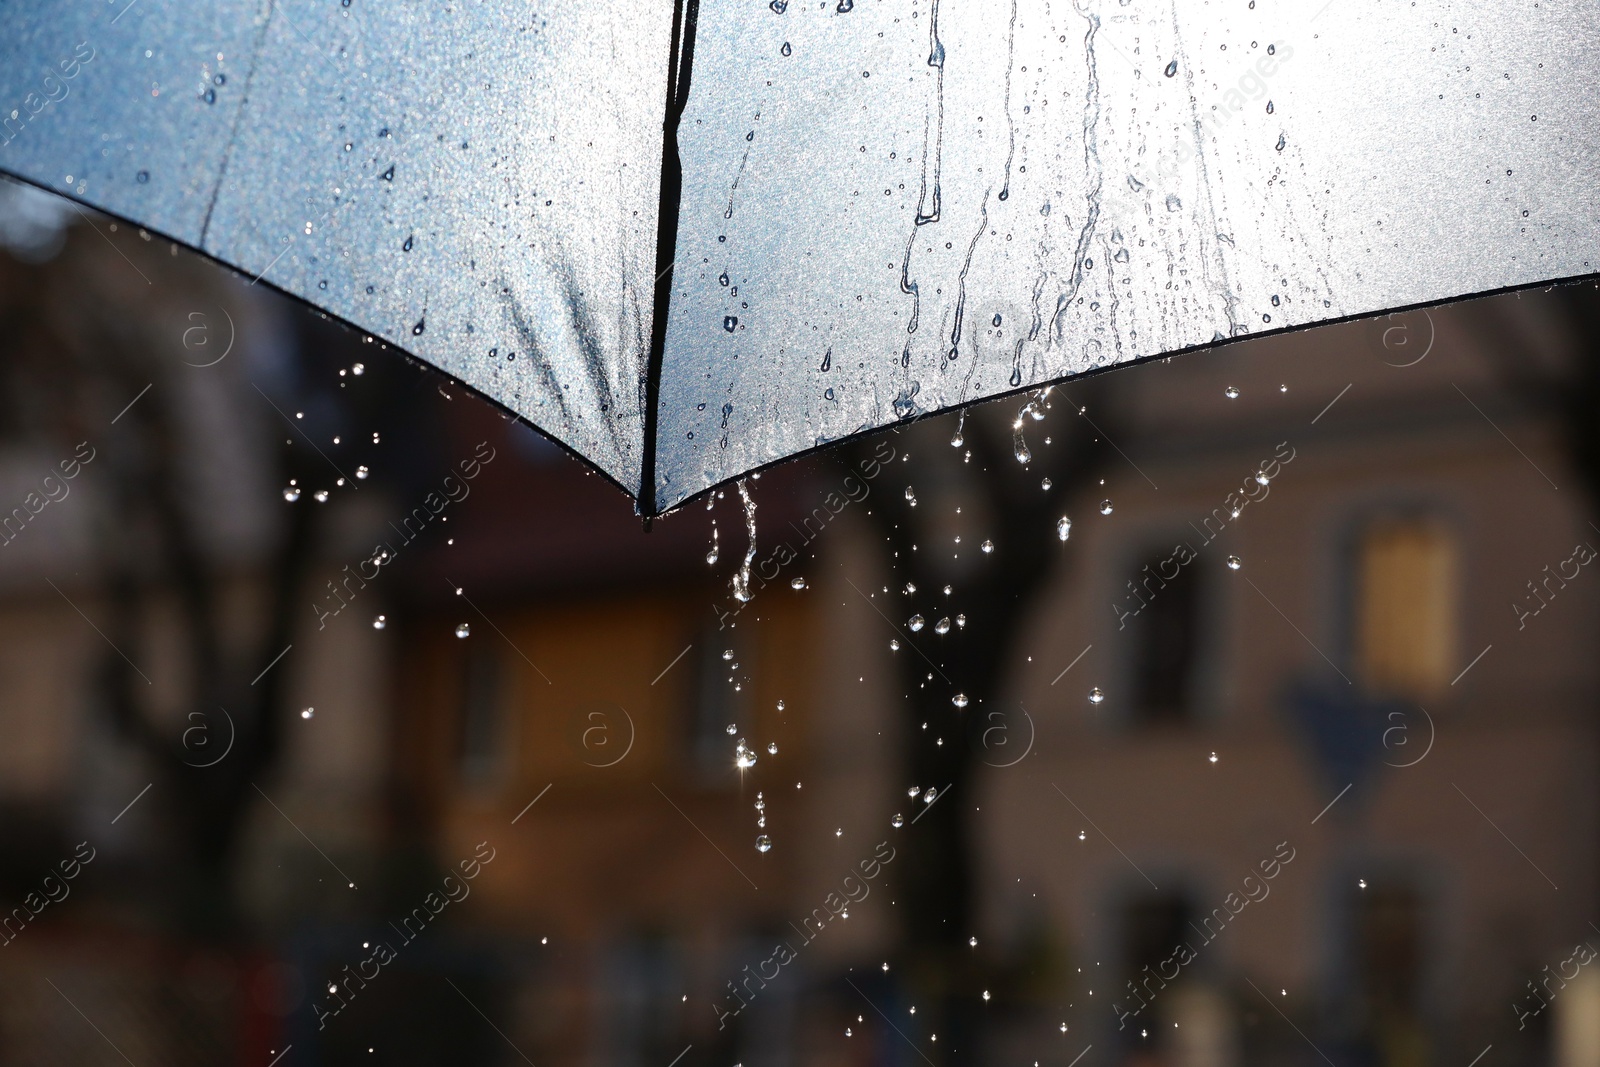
point(1406, 614)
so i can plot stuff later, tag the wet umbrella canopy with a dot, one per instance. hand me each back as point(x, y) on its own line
point(871, 210)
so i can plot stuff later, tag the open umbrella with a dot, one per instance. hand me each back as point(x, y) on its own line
point(855, 211)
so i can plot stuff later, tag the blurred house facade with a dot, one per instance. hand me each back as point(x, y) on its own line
point(1353, 776)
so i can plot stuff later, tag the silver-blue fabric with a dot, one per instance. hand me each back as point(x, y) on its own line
point(475, 183)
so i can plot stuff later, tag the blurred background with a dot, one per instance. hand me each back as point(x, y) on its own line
point(1238, 708)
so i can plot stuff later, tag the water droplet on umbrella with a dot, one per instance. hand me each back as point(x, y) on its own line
point(913, 791)
point(930, 796)
point(306, 713)
point(972, 942)
point(1105, 507)
point(1231, 392)
point(1096, 696)
point(388, 175)
point(1082, 836)
point(916, 623)
point(359, 369)
point(291, 494)
point(763, 843)
point(961, 622)
point(942, 627)
point(380, 622)
point(987, 546)
point(779, 6)
point(1282, 142)
point(786, 49)
point(733, 728)
point(1262, 478)
point(463, 630)
point(1362, 882)
point(797, 583)
point(894, 644)
point(1211, 758)
point(410, 240)
point(320, 496)
point(143, 177)
point(1063, 528)
point(361, 472)
point(421, 325)
point(744, 757)
point(898, 821)
point(730, 323)
point(1234, 563)
point(723, 278)
point(772, 748)
point(1172, 68)
point(959, 700)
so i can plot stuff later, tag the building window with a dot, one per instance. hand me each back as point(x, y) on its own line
point(721, 700)
point(1165, 636)
point(483, 745)
point(1407, 610)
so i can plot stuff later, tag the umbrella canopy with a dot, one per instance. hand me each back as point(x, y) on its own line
point(867, 210)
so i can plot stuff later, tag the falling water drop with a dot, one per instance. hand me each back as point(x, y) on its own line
point(463, 630)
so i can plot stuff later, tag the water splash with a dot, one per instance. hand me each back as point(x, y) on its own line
point(741, 581)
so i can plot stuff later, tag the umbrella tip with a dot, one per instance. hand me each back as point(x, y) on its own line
point(646, 524)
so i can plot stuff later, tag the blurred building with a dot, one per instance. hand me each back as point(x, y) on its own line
point(1294, 763)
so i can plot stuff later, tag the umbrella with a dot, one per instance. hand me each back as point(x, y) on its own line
point(687, 243)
